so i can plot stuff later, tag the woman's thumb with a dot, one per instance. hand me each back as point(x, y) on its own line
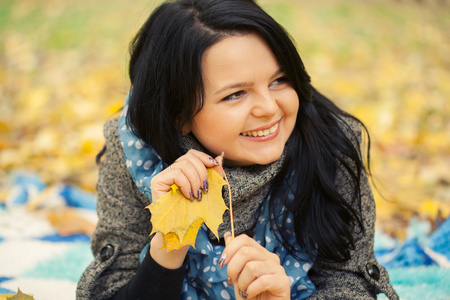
point(227, 237)
point(219, 168)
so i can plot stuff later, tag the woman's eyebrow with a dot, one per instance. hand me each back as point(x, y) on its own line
point(277, 73)
point(242, 84)
point(234, 85)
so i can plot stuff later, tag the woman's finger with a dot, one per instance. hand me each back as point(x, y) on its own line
point(277, 286)
point(254, 270)
point(206, 159)
point(242, 258)
point(194, 165)
point(195, 172)
point(232, 246)
point(188, 172)
point(162, 182)
point(218, 168)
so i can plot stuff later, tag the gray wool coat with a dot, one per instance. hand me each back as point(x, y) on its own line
point(124, 225)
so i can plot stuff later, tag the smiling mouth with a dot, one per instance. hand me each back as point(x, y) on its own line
point(258, 133)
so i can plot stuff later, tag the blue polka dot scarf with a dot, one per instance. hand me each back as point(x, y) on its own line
point(204, 279)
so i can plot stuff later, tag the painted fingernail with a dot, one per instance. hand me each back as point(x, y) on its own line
point(229, 281)
point(222, 260)
point(199, 193)
point(213, 161)
point(223, 155)
point(191, 196)
point(244, 295)
point(205, 185)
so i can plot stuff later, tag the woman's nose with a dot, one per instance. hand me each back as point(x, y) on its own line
point(265, 104)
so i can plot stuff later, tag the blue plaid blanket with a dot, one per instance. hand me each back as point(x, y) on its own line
point(34, 257)
point(37, 259)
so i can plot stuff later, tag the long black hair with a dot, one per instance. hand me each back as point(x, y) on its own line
point(167, 91)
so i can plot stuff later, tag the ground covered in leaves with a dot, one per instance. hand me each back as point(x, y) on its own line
point(63, 72)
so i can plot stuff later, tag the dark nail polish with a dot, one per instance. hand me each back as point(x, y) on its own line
point(222, 260)
point(205, 185)
point(191, 196)
point(244, 295)
point(229, 282)
point(213, 161)
point(199, 193)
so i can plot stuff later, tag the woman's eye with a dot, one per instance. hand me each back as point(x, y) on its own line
point(279, 81)
point(234, 96)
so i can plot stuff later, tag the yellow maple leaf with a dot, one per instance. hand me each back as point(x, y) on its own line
point(178, 219)
point(20, 296)
point(171, 240)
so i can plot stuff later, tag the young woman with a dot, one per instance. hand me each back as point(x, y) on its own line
point(221, 76)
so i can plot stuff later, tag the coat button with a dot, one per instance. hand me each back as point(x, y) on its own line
point(106, 252)
point(373, 270)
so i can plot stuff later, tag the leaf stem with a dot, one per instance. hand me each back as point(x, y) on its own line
point(231, 202)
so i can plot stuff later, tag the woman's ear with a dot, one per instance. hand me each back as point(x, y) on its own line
point(186, 128)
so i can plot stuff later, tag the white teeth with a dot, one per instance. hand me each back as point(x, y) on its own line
point(261, 132)
point(273, 128)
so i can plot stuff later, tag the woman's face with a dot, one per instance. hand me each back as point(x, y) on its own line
point(249, 107)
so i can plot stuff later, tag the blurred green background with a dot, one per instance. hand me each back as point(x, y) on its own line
point(63, 73)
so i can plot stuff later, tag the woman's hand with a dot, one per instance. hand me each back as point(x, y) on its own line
point(255, 272)
point(189, 173)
